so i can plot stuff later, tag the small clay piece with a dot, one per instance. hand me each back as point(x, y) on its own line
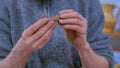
point(55, 18)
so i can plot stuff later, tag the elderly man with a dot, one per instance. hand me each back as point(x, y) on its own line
point(53, 34)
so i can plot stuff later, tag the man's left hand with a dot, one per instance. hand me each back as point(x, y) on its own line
point(75, 26)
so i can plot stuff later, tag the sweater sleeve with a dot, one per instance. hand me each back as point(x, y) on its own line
point(97, 39)
point(5, 37)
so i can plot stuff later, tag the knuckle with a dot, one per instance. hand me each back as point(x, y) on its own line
point(71, 9)
point(44, 20)
point(47, 26)
point(48, 34)
point(86, 26)
point(77, 21)
point(41, 32)
point(27, 42)
point(69, 20)
point(76, 13)
point(83, 31)
point(35, 45)
point(24, 35)
point(32, 28)
point(85, 20)
point(38, 34)
point(47, 37)
point(77, 27)
point(24, 32)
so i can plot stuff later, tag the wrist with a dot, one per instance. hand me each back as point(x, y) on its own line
point(82, 44)
point(21, 46)
point(5, 64)
point(83, 48)
point(19, 55)
point(21, 50)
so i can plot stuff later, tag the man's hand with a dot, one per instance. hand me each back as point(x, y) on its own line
point(33, 38)
point(37, 35)
point(75, 26)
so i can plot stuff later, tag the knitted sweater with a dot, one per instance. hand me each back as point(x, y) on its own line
point(17, 15)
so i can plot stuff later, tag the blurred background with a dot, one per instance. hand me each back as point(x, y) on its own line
point(111, 10)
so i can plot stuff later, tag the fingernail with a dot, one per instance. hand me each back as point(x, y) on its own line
point(62, 16)
point(61, 21)
point(60, 12)
point(43, 16)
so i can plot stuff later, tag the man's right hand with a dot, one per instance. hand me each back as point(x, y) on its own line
point(37, 35)
point(33, 38)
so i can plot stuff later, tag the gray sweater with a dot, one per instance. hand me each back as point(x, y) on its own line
point(17, 15)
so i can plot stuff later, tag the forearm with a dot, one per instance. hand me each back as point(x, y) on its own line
point(17, 58)
point(90, 59)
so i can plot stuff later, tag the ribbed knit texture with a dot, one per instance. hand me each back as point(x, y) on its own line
point(17, 15)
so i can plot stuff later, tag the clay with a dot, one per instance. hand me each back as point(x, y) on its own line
point(55, 18)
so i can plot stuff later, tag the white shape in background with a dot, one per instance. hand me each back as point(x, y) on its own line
point(117, 57)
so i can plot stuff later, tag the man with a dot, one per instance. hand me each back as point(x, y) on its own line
point(25, 43)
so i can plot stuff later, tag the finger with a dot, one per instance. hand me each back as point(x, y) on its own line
point(71, 15)
point(33, 28)
point(44, 39)
point(40, 32)
point(75, 28)
point(66, 11)
point(72, 21)
point(55, 18)
point(43, 16)
point(43, 44)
